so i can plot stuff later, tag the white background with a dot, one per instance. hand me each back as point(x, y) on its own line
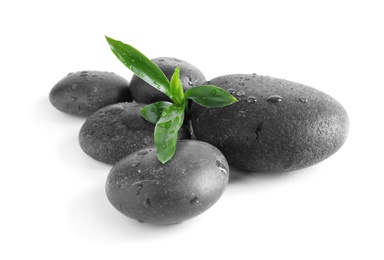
point(52, 199)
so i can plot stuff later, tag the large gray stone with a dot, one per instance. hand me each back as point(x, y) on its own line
point(276, 126)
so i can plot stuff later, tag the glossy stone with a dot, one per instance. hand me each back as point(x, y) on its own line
point(190, 76)
point(115, 131)
point(142, 188)
point(82, 93)
point(291, 126)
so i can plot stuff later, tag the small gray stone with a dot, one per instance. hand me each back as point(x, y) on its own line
point(82, 93)
point(190, 76)
point(115, 131)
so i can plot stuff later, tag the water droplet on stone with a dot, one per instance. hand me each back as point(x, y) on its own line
point(147, 202)
point(116, 107)
point(73, 99)
point(240, 93)
point(251, 99)
point(135, 164)
point(221, 167)
point(142, 153)
point(254, 74)
point(275, 99)
point(303, 100)
point(102, 114)
point(231, 91)
point(194, 201)
point(242, 113)
point(189, 78)
point(247, 78)
point(74, 86)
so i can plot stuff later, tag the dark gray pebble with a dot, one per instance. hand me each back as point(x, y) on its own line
point(142, 188)
point(82, 93)
point(277, 125)
point(190, 76)
point(115, 131)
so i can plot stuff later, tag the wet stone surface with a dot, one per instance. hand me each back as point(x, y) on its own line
point(117, 130)
point(190, 76)
point(277, 125)
point(82, 93)
point(142, 188)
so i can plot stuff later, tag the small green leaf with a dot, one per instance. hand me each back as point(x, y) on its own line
point(139, 64)
point(166, 132)
point(152, 112)
point(177, 92)
point(210, 96)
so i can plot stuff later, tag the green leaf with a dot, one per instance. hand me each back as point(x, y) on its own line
point(177, 92)
point(152, 112)
point(210, 96)
point(166, 132)
point(143, 67)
